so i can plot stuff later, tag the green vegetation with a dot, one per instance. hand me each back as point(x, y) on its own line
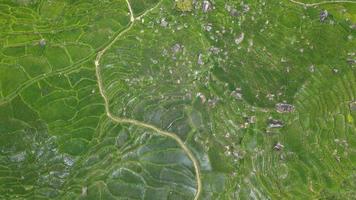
point(139, 99)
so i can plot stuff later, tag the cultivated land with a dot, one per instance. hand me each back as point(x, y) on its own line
point(163, 99)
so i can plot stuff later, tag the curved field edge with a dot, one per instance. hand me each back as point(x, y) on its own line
point(64, 145)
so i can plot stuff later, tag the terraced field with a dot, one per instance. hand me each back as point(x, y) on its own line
point(177, 99)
